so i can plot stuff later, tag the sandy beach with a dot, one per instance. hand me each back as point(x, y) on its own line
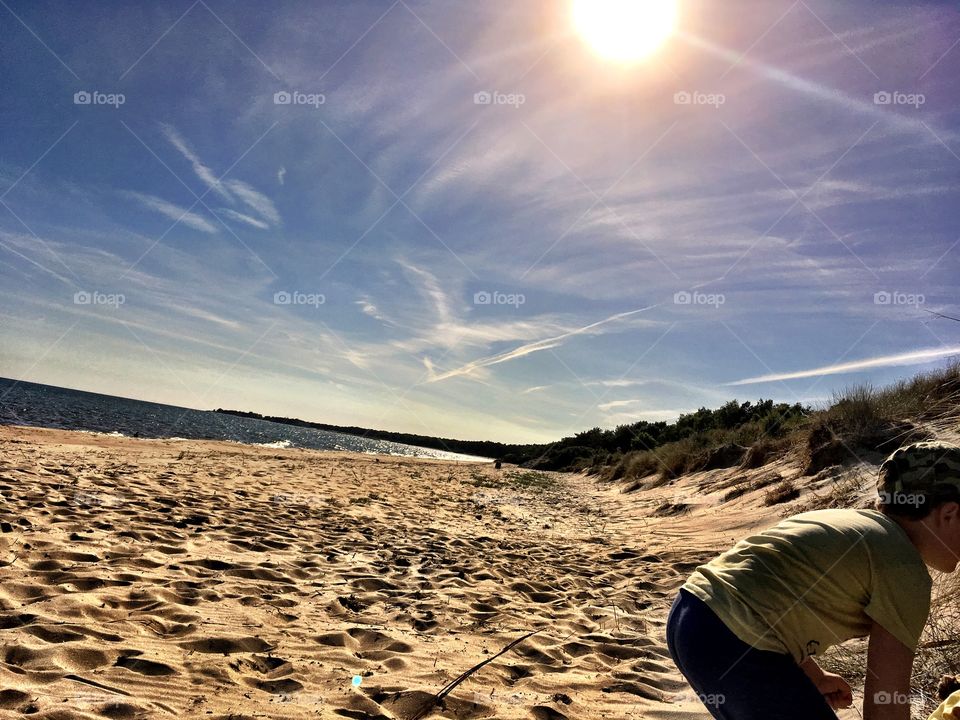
point(161, 578)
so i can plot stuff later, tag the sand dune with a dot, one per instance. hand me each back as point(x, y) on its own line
point(151, 578)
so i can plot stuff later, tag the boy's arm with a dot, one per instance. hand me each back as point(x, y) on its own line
point(834, 688)
point(887, 690)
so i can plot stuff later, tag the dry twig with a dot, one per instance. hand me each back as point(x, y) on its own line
point(447, 689)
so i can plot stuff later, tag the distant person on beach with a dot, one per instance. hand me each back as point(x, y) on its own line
point(746, 627)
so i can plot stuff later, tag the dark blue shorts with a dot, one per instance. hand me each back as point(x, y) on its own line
point(732, 679)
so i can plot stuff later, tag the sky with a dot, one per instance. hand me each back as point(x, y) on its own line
point(459, 219)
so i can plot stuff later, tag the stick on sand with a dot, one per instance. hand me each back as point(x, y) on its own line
point(447, 689)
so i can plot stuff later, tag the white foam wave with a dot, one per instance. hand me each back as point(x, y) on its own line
point(276, 444)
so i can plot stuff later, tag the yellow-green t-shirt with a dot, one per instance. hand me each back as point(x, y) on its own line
point(818, 579)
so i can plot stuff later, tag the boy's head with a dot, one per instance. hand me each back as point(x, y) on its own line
point(919, 487)
point(918, 478)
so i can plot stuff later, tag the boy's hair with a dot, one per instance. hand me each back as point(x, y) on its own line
point(949, 684)
point(918, 478)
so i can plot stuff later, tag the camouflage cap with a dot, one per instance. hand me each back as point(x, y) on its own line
point(922, 467)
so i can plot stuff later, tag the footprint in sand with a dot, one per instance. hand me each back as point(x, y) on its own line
point(274, 672)
point(12, 699)
point(144, 667)
point(121, 711)
point(226, 645)
point(45, 659)
point(53, 634)
point(640, 689)
point(8, 622)
point(373, 645)
point(545, 712)
point(283, 686)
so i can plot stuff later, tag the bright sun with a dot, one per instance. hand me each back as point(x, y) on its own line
point(625, 30)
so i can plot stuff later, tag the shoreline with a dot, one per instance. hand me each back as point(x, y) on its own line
point(234, 443)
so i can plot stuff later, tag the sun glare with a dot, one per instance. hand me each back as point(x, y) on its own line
point(625, 30)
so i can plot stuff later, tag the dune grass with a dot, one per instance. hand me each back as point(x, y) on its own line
point(781, 493)
point(859, 423)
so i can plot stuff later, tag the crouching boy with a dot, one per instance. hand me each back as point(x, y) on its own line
point(745, 628)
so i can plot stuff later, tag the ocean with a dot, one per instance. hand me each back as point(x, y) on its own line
point(26, 403)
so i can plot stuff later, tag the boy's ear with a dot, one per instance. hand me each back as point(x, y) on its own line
point(949, 512)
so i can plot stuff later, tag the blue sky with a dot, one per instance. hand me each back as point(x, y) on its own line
point(768, 207)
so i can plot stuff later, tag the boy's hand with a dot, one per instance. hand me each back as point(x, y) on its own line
point(836, 690)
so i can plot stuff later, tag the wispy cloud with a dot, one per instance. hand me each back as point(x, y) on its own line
point(205, 315)
point(173, 212)
point(666, 415)
point(431, 288)
point(206, 175)
point(613, 404)
point(229, 190)
point(368, 308)
point(255, 200)
point(914, 357)
point(617, 383)
point(240, 217)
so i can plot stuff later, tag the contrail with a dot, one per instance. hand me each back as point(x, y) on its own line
point(915, 357)
point(529, 348)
